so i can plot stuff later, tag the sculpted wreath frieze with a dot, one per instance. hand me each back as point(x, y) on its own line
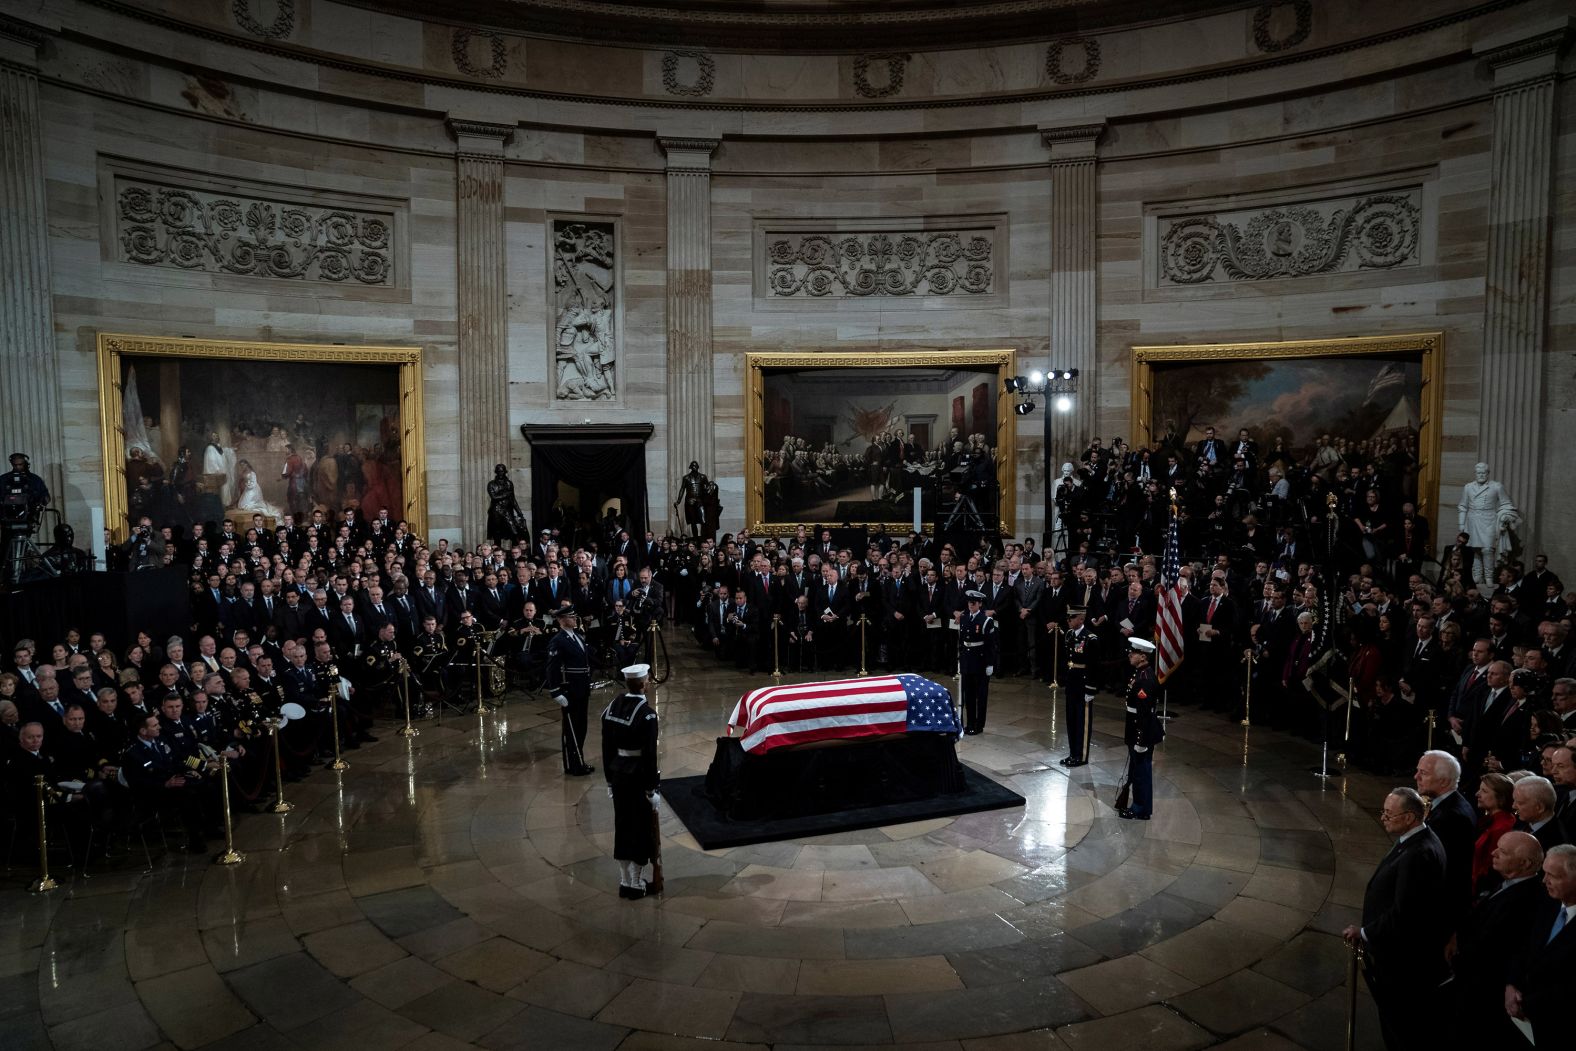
point(881, 264)
point(1376, 233)
point(193, 230)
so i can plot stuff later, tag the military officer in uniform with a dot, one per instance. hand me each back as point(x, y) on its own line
point(569, 682)
point(977, 639)
point(1078, 690)
point(629, 762)
point(1144, 729)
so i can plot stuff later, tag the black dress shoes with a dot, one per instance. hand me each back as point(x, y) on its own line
point(1070, 763)
point(584, 771)
point(631, 893)
point(1126, 812)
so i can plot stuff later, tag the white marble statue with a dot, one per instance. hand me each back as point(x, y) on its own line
point(1056, 512)
point(1486, 514)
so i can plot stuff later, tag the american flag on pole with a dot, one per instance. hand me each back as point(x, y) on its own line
point(802, 713)
point(1168, 607)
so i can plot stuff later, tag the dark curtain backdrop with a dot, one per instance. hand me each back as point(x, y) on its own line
point(616, 469)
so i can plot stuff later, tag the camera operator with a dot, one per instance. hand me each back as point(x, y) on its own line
point(21, 488)
point(144, 548)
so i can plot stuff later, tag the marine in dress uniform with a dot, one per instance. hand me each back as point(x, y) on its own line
point(569, 682)
point(978, 642)
point(629, 762)
point(1144, 729)
point(1078, 692)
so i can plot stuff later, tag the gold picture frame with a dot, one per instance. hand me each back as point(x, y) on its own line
point(113, 348)
point(1004, 362)
point(1428, 347)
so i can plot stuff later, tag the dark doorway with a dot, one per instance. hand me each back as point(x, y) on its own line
point(577, 472)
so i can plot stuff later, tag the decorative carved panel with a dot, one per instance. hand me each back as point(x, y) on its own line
point(1376, 231)
point(697, 83)
point(185, 222)
point(861, 264)
point(249, 15)
point(1302, 25)
point(585, 308)
point(497, 60)
point(896, 63)
point(1086, 68)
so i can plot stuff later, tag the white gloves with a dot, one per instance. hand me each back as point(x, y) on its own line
point(990, 670)
point(655, 799)
point(683, 572)
point(560, 700)
point(1140, 749)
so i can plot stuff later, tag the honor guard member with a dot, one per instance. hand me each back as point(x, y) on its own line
point(569, 682)
point(977, 642)
point(629, 762)
point(1078, 691)
point(1144, 729)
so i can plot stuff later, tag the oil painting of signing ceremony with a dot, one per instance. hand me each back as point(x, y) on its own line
point(485, 566)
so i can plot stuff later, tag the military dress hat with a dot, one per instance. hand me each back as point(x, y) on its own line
point(975, 596)
point(1141, 645)
point(636, 671)
point(567, 611)
point(1076, 611)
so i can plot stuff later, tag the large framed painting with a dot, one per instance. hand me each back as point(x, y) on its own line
point(1323, 401)
point(198, 430)
point(846, 438)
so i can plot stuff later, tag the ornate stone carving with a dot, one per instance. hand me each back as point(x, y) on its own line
point(1053, 60)
point(1302, 10)
point(885, 263)
point(1373, 232)
point(896, 65)
point(281, 26)
point(460, 51)
point(189, 228)
point(705, 74)
point(584, 320)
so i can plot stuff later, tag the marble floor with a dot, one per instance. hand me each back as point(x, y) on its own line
point(456, 891)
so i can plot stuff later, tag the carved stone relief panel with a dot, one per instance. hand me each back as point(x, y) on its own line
point(585, 308)
point(1344, 234)
point(895, 65)
point(188, 221)
point(692, 73)
point(955, 257)
point(274, 19)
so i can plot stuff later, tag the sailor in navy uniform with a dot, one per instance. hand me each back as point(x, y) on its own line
point(1081, 644)
point(977, 642)
point(569, 682)
point(629, 762)
point(1144, 729)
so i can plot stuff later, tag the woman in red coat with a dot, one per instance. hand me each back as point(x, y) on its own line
point(1493, 800)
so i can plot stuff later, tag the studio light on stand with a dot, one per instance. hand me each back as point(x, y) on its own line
point(1057, 387)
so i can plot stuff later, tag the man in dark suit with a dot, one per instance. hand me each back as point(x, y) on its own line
point(831, 604)
point(1210, 449)
point(1469, 690)
point(1217, 686)
point(1544, 973)
point(1001, 605)
point(1452, 818)
point(1405, 925)
point(290, 617)
point(489, 603)
point(1421, 668)
point(347, 632)
point(1533, 799)
point(431, 601)
point(1489, 939)
point(1477, 736)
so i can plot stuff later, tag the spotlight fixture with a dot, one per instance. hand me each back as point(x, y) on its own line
point(1014, 384)
point(1023, 408)
point(1036, 377)
point(1064, 404)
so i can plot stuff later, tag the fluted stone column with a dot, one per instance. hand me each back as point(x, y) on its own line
point(1073, 298)
point(691, 426)
point(482, 294)
point(31, 420)
point(1525, 66)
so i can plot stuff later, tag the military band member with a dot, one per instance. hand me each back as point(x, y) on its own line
point(569, 681)
point(624, 632)
point(460, 676)
point(431, 653)
point(629, 762)
point(380, 669)
point(1144, 729)
point(978, 641)
point(1078, 696)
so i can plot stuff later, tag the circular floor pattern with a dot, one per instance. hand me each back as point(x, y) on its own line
point(457, 891)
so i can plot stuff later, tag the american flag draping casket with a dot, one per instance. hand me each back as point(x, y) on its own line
point(810, 712)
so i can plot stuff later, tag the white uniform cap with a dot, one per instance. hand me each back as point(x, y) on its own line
point(1142, 645)
point(636, 671)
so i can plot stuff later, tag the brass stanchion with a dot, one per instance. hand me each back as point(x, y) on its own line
point(777, 657)
point(863, 620)
point(481, 702)
point(1247, 689)
point(43, 883)
point(1428, 744)
point(231, 856)
point(281, 805)
point(1346, 735)
point(404, 684)
point(1351, 995)
point(333, 714)
point(1056, 656)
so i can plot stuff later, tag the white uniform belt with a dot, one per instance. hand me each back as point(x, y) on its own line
point(972, 645)
point(1131, 710)
point(631, 753)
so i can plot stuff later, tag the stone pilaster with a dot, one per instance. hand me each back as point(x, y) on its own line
point(691, 426)
point(1525, 66)
point(1073, 264)
point(31, 421)
point(483, 298)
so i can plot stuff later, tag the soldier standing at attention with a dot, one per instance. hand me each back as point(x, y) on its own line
point(1078, 691)
point(1144, 729)
point(977, 641)
point(629, 762)
point(569, 681)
